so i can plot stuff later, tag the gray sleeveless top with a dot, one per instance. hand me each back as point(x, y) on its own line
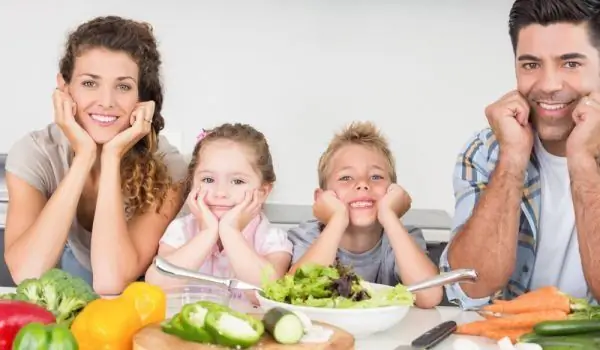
point(42, 159)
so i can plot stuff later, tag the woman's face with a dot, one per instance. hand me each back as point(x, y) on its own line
point(104, 87)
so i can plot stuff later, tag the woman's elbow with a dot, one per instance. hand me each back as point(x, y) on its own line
point(19, 270)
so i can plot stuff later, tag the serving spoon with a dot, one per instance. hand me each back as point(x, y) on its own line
point(166, 268)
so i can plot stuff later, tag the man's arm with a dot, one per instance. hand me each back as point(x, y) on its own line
point(585, 189)
point(490, 212)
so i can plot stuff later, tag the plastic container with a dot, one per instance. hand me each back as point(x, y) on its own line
point(179, 296)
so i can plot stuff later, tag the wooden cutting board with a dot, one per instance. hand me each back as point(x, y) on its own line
point(153, 338)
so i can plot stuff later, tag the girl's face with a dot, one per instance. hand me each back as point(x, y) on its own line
point(104, 87)
point(226, 169)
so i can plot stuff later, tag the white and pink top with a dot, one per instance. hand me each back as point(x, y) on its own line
point(259, 233)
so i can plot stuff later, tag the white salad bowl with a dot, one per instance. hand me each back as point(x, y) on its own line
point(360, 322)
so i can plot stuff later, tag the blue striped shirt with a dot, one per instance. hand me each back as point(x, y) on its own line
point(472, 173)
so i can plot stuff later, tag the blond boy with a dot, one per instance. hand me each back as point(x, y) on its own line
point(357, 209)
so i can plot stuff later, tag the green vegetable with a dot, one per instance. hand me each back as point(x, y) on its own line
point(233, 329)
point(284, 325)
point(567, 327)
point(193, 317)
point(565, 342)
point(176, 327)
point(335, 286)
point(59, 292)
point(36, 336)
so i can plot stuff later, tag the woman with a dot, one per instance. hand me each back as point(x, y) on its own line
point(94, 191)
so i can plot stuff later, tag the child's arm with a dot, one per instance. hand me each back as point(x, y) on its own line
point(247, 264)
point(324, 249)
point(175, 248)
point(413, 265)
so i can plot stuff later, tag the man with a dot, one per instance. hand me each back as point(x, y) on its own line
point(527, 189)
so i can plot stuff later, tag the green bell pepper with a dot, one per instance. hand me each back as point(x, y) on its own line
point(36, 336)
point(234, 329)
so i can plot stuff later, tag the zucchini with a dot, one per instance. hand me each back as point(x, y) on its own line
point(285, 326)
point(567, 327)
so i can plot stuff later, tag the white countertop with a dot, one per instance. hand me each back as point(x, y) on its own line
point(417, 322)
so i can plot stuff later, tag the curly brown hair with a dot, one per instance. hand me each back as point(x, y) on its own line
point(243, 134)
point(145, 179)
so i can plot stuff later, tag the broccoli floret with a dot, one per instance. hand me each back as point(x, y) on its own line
point(69, 305)
point(50, 295)
point(30, 290)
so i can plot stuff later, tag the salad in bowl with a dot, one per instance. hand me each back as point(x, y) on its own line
point(336, 295)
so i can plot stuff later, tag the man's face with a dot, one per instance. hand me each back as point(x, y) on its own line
point(556, 65)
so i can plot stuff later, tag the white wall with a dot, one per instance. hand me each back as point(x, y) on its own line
point(298, 71)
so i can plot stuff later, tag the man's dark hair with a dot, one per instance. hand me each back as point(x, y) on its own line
point(545, 12)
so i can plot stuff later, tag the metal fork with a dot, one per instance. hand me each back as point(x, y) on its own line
point(169, 269)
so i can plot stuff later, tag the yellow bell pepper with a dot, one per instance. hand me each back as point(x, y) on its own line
point(149, 300)
point(110, 324)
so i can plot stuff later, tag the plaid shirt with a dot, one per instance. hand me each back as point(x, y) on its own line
point(472, 173)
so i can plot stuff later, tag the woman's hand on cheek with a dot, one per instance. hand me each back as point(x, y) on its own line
point(240, 215)
point(64, 116)
point(141, 124)
point(207, 221)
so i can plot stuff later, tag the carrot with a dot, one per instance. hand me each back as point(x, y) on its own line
point(473, 328)
point(512, 334)
point(519, 321)
point(542, 302)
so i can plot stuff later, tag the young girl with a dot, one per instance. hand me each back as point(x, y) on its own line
point(226, 234)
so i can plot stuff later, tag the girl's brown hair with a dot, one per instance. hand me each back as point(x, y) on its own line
point(243, 134)
point(145, 177)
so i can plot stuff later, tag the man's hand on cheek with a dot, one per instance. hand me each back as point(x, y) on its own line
point(394, 204)
point(584, 140)
point(328, 207)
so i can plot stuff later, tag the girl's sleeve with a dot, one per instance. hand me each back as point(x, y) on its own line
point(175, 235)
point(275, 241)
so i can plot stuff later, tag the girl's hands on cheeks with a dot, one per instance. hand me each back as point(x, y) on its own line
point(207, 221)
point(141, 124)
point(328, 207)
point(64, 116)
point(240, 215)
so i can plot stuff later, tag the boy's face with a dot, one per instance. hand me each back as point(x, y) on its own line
point(360, 176)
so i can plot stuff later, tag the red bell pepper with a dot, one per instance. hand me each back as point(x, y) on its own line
point(15, 314)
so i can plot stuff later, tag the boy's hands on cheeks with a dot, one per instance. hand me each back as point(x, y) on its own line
point(328, 207)
point(141, 124)
point(240, 215)
point(206, 219)
point(64, 116)
point(584, 140)
point(394, 204)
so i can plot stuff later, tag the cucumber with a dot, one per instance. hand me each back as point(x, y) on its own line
point(567, 327)
point(566, 342)
point(283, 325)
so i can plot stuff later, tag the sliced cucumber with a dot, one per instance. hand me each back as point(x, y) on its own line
point(283, 325)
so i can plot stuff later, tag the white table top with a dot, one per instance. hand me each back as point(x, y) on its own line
point(417, 322)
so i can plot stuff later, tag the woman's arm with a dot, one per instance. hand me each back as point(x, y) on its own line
point(246, 263)
point(191, 256)
point(121, 251)
point(37, 228)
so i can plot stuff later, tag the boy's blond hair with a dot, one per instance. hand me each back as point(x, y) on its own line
point(357, 133)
